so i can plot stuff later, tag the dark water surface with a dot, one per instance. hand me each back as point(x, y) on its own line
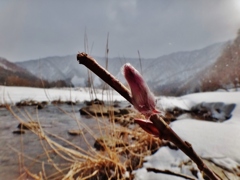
point(57, 120)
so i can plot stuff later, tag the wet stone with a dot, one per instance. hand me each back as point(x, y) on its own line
point(18, 131)
point(75, 132)
point(28, 125)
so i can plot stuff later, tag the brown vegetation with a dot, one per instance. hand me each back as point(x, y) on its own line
point(21, 80)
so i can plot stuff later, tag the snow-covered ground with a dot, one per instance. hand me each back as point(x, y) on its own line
point(12, 95)
point(216, 142)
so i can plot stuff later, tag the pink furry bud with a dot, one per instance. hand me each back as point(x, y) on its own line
point(142, 98)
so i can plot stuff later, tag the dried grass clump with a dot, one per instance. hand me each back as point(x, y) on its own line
point(123, 151)
point(115, 162)
point(101, 168)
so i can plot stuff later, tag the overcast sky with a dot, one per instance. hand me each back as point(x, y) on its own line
point(32, 29)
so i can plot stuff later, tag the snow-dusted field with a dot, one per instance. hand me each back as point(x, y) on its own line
point(12, 95)
point(217, 142)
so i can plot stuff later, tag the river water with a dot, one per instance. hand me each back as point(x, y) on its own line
point(23, 150)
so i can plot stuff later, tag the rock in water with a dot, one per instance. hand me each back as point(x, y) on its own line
point(217, 111)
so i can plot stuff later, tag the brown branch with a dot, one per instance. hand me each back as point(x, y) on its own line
point(165, 131)
point(91, 64)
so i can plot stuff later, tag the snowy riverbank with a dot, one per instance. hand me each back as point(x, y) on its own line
point(214, 141)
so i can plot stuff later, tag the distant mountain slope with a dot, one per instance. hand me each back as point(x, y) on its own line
point(164, 74)
point(7, 65)
point(225, 72)
point(11, 74)
point(169, 73)
point(14, 75)
point(55, 68)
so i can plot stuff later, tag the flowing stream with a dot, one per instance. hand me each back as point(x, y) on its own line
point(24, 150)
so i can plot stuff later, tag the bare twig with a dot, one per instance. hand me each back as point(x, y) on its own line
point(165, 131)
point(91, 64)
point(140, 61)
point(169, 172)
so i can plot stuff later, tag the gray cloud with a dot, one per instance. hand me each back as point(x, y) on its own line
point(34, 29)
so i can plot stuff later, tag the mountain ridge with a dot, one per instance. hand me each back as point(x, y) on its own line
point(163, 74)
point(13, 75)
